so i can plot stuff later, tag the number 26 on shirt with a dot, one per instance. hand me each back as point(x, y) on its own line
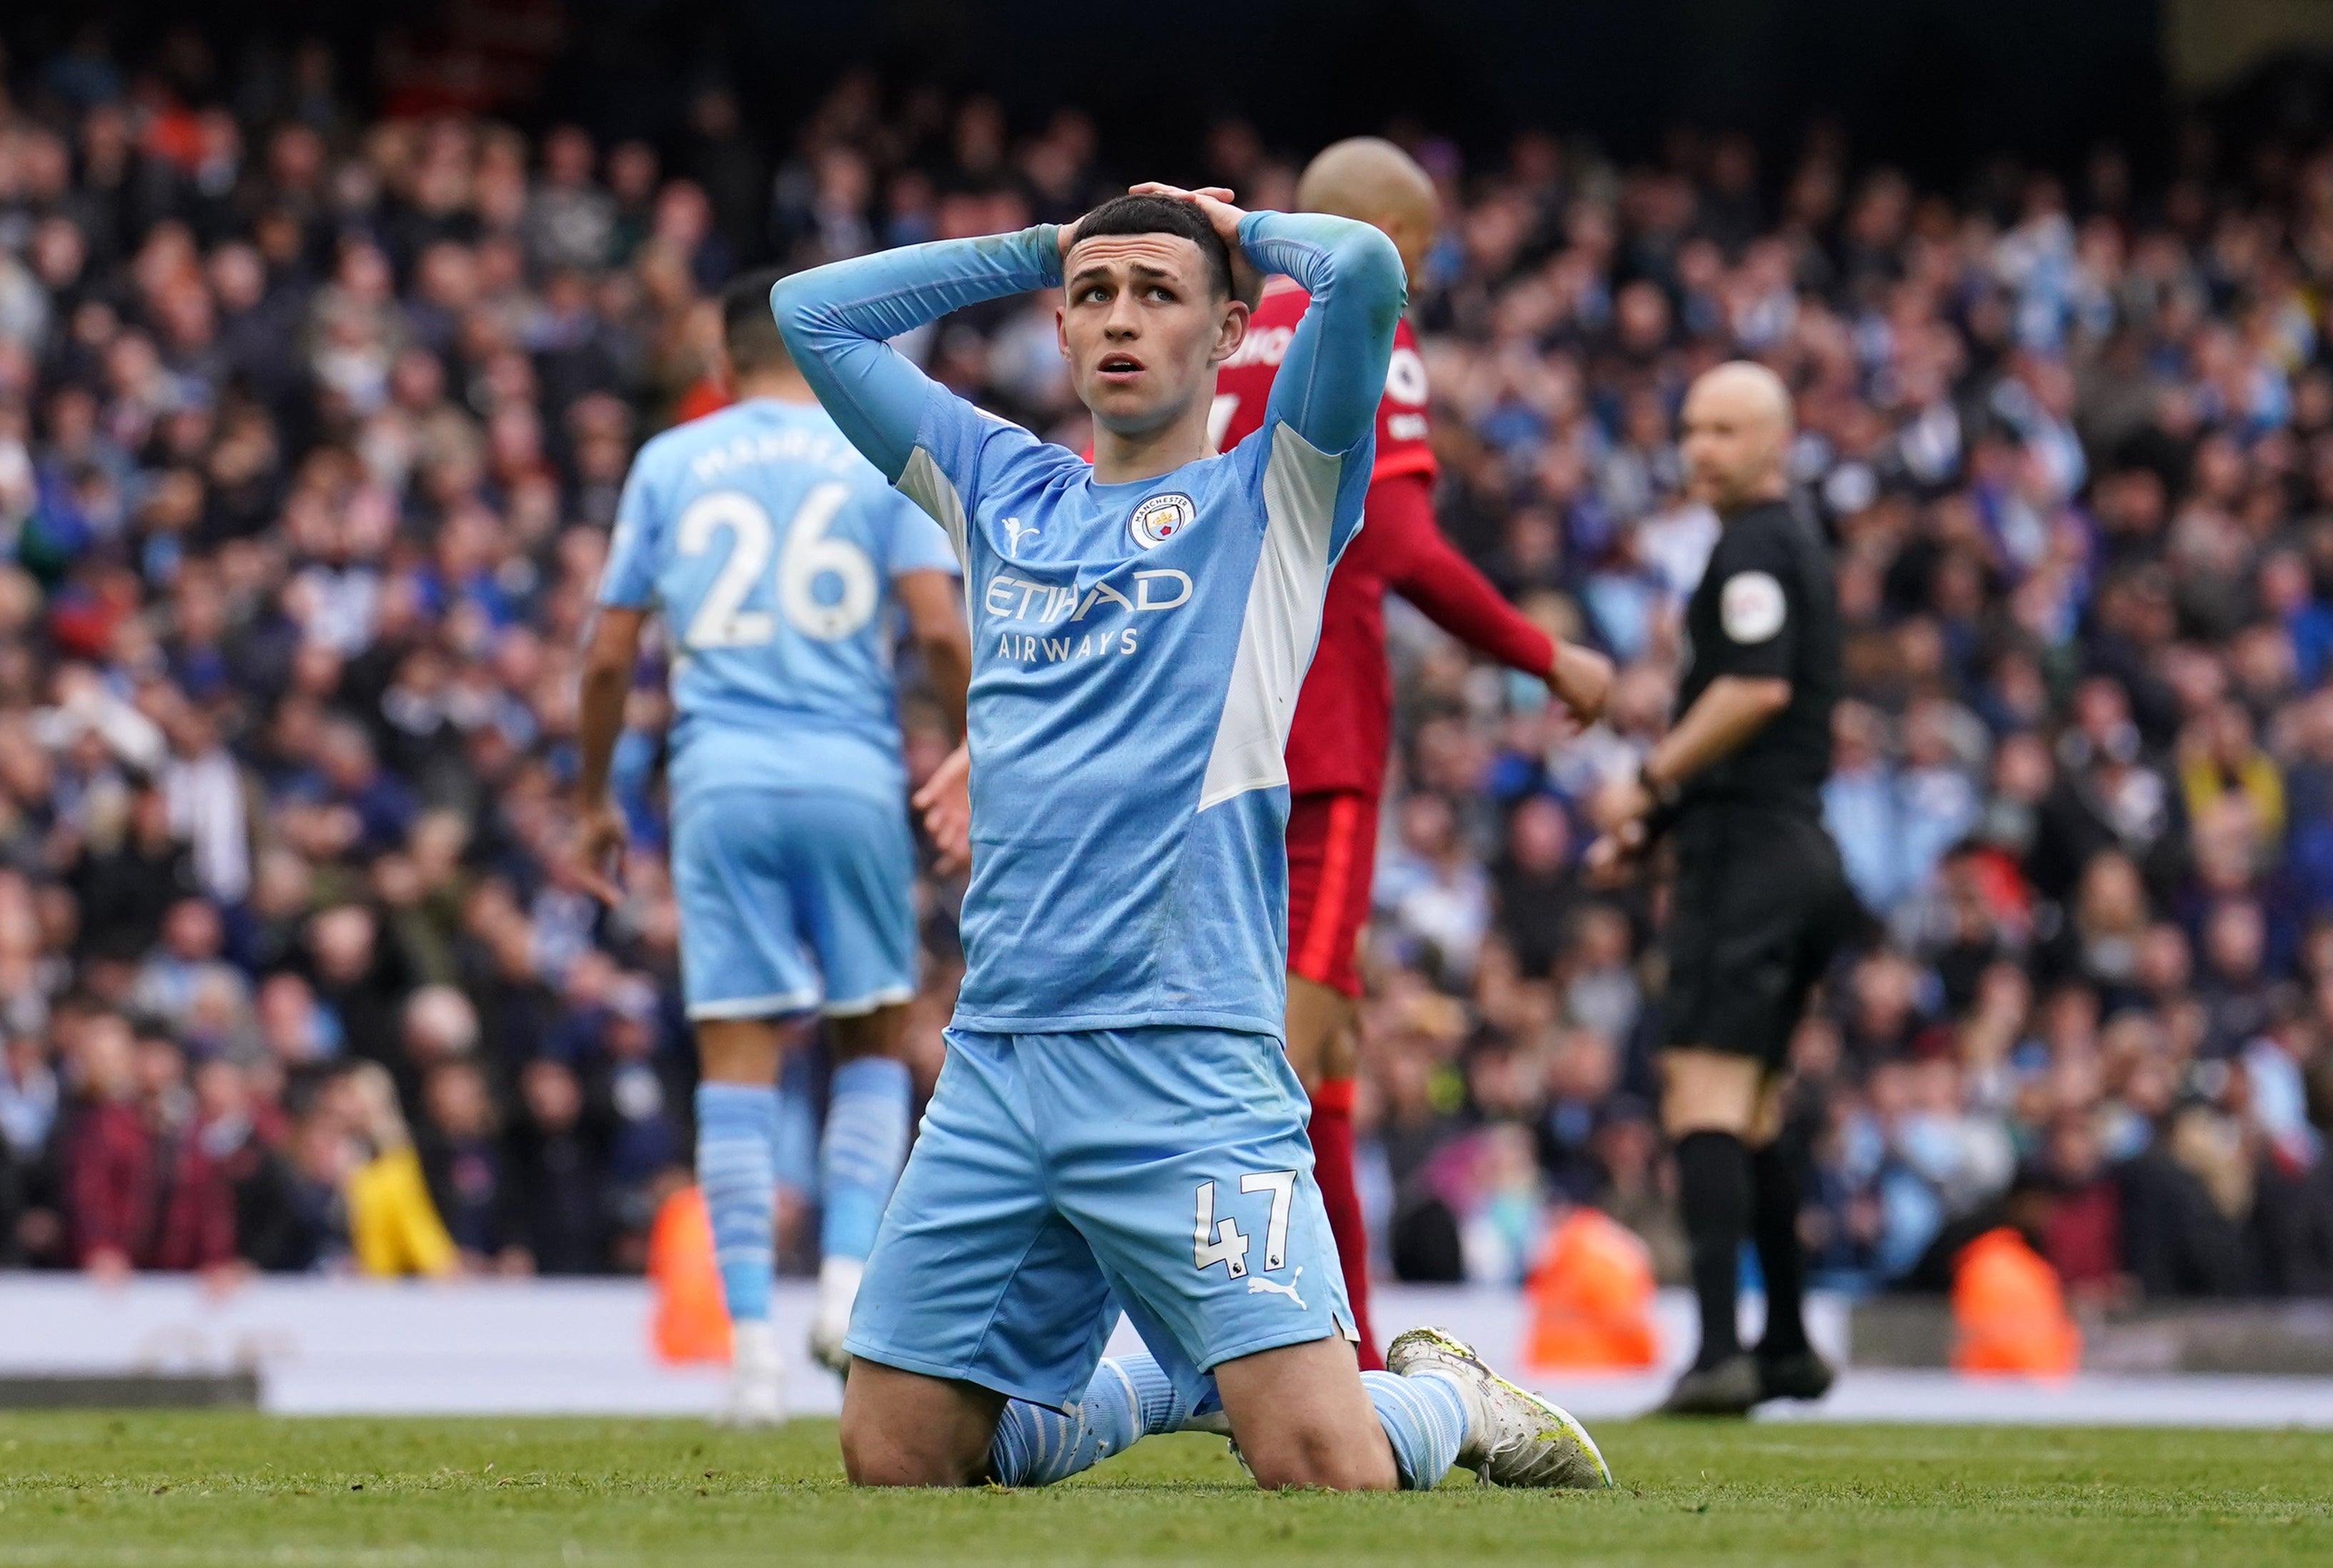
point(810, 553)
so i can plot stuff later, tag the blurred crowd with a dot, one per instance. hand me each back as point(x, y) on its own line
point(2073, 444)
point(311, 427)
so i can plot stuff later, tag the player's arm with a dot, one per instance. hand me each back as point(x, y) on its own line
point(1731, 709)
point(611, 647)
point(1754, 646)
point(1421, 565)
point(1328, 383)
point(932, 596)
point(837, 320)
point(933, 603)
point(1754, 655)
point(610, 654)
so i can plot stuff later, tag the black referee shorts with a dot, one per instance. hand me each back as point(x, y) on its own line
point(1759, 906)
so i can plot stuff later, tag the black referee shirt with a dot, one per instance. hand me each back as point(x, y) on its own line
point(1765, 608)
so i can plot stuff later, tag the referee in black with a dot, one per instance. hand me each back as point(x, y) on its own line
point(1759, 903)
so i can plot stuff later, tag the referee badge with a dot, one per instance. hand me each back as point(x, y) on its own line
point(1751, 606)
point(1161, 518)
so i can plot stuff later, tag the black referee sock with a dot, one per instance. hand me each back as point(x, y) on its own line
point(1714, 1184)
point(1777, 1187)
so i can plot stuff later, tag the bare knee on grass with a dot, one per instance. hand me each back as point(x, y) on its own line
point(901, 1428)
point(1301, 1418)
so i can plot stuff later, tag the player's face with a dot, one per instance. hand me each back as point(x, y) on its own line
point(1732, 447)
point(1143, 329)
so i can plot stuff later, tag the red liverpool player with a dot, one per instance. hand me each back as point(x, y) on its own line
point(1337, 744)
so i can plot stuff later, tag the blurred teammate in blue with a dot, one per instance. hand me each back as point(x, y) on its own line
point(783, 564)
point(1117, 1123)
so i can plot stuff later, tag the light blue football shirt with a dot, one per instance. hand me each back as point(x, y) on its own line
point(1137, 648)
point(770, 544)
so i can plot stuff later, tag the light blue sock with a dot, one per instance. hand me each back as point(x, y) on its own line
point(734, 1166)
point(1160, 1405)
point(1424, 1419)
point(865, 1143)
point(1035, 1446)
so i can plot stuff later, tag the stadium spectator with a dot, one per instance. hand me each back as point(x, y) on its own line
point(559, 1193)
point(393, 1226)
point(463, 1162)
point(106, 1154)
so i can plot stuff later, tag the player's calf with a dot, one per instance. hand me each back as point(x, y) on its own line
point(871, 1107)
point(736, 1124)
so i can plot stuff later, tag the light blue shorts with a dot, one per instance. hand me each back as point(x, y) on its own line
point(1058, 1178)
point(791, 901)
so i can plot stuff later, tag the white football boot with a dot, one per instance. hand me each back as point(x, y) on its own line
point(757, 1378)
point(837, 1287)
point(1513, 1437)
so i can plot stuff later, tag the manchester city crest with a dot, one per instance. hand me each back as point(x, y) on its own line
point(1161, 517)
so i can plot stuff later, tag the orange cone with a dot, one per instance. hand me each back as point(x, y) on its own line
point(2009, 1311)
point(692, 1321)
point(1591, 1297)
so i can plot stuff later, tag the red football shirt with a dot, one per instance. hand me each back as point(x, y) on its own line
point(1344, 716)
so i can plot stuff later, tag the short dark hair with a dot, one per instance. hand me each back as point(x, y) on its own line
point(748, 330)
point(1157, 214)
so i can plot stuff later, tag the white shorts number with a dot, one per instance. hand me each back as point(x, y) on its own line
point(1215, 1240)
point(1281, 1185)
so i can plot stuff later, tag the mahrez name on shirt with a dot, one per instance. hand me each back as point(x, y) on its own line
point(775, 446)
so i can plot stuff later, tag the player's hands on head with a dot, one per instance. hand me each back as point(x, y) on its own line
point(945, 801)
point(600, 840)
point(1215, 201)
point(1581, 678)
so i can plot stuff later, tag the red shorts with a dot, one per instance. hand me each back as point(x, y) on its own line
point(1333, 850)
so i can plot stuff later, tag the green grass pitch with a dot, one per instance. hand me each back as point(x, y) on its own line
point(94, 1490)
